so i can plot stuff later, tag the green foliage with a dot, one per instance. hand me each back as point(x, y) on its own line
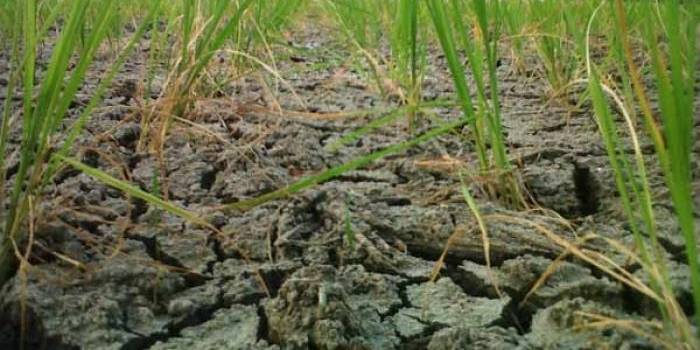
point(136, 192)
point(408, 54)
point(358, 19)
point(329, 174)
point(675, 86)
point(44, 112)
point(676, 89)
point(485, 121)
point(443, 29)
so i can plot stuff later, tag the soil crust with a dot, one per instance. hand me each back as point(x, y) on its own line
point(344, 265)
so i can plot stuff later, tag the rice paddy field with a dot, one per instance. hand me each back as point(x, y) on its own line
point(349, 174)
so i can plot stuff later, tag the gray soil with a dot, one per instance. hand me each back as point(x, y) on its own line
point(284, 275)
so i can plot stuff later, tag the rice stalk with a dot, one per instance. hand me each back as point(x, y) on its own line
point(44, 112)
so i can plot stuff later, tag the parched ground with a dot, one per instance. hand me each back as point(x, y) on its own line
point(111, 272)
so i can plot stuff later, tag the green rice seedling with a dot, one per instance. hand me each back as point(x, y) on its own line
point(43, 113)
point(443, 29)
point(408, 55)
point(489, 37)
point(475, 56)
point(329, 174)
point(162, 55)
point(551, 46)
point(78, 125)
point(485, 121)
point(86, 24)
point(515, 23)
point(617, 38)
point(200, 44)
point(272, 16)
point(676, 84)
point(203, 32)
point(554, 46)
point(676, 93)
point(363, 22)
point(635, 194)
point(136, 192)
point(356, 19)
point(253, 45)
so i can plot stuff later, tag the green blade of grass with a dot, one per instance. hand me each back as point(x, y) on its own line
point(676, 95)
point(50, 90)
point(444, 33)
point(77, 127)
point(639, 91)
point(211, 43)
point(635, 192)
point(474, 56)
point(41, 117)
point(382, 121)
point(341, 169)
point(77, 76)
point(35, 117)
point(134, 191)
point(187, 29)
point(490, 41)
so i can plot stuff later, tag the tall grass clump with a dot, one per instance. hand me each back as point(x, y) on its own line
point(271, 17)
point(361, 23)
point(484, 117)
point(552, 42)
point(408, 55)
point(358, 19)
point(45, 105)
point(372, 27)
point(204, 29)
point(675, 79)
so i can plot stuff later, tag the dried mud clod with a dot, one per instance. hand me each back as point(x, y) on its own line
point(563, 326)
point(119, 303)
point(318, 307)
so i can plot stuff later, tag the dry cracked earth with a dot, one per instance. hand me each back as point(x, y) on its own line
point(110, 272)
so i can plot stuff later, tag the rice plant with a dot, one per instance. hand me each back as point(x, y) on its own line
point(675, 87)
point(354, 164)
point(408, 54)
point(204, 31)
point(43, 113)
point(484, 118)
point(359, 24)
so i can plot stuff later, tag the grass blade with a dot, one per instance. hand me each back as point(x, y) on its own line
point(341, 169)
point(134, 191)
point(444, 33)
